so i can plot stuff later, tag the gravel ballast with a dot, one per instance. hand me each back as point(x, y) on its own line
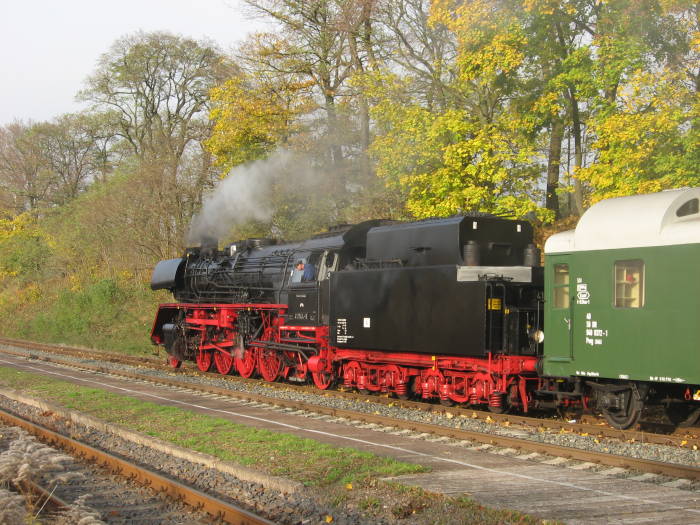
point(654, 452)
point(298, 505)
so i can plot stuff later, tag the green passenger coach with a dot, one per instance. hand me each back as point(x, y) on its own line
point(622, 305)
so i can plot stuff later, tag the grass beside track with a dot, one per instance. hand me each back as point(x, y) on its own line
point(349, 477)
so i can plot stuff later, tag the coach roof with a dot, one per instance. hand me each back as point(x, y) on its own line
point(657, 219)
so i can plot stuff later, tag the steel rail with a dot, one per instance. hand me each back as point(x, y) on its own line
point(212, 505)
point(642, 465)
point(592, 429)
point(48, 500)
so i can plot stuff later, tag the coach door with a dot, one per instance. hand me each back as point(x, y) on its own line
point(559, 317)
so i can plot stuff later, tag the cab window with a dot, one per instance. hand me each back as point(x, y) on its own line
point(304, 267)
point(329, 263)
point(629, 284)
point(560, 289)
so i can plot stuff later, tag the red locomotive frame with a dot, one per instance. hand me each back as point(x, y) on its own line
point(293, 352)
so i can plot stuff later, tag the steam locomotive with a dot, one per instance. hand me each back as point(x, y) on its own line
point(454, 309)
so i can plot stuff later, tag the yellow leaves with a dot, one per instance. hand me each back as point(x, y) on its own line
point(449, 162)
point(489, 42)
point(328, 519)
point(19, 225)
point(74, 283)
point(348, 486)
point(548, 104)
point(548, 7)
point(695, 41)
point(643, 145)
point(251, 115)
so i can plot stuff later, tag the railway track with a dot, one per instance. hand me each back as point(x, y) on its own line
point(587, 425)
point(126, 506)
point(643, 465)
point(455, 456)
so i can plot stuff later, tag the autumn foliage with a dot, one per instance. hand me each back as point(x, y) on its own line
point(406, 108)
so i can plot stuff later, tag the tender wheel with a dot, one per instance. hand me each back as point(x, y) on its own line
point(204, 360)
point(622, 420)
point(498, 403)
point(223, 362)
point(410, 390)
point(351, 373)
point(174, 362)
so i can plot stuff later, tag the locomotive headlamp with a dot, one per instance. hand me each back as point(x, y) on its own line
point(537, 336)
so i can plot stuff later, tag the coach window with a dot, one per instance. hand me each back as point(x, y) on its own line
point(629, 284)
point(561, 286)
point(690, 207)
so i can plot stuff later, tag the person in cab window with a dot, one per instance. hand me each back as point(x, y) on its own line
point(304, 269)
point(297, 272)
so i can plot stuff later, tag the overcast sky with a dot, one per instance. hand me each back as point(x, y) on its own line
point(49, 47)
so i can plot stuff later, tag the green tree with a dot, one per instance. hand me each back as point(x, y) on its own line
point(468, 149)
point(24, 175)
point(154, 89)
point(255, 112)
point(73, 154)
point(646, 137)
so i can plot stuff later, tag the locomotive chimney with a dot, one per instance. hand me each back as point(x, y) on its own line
point(209, 245)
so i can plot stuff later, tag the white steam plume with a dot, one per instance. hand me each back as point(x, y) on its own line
point(247, 193)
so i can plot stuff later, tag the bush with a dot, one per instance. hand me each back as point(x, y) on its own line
point(105, 314)
point(24, 249)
